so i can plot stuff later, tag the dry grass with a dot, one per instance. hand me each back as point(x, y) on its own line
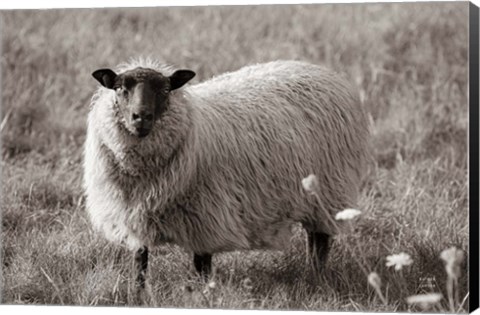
point(410, 63)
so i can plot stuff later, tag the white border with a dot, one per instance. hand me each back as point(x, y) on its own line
point(74, 310)
point(31, 4)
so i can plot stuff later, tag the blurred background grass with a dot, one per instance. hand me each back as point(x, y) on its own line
point(409, 61)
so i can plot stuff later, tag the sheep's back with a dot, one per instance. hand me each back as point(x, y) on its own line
point(263, 129)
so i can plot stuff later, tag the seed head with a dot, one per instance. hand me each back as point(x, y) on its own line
point(247, 284)
point(374, 280)
point(212, 285)
point(310, 184)
point(347, 214)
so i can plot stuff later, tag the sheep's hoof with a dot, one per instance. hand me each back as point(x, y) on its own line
point(140, 296)
point(203, 265)
point(144, 297)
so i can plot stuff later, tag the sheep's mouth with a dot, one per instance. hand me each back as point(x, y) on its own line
point(142, 132)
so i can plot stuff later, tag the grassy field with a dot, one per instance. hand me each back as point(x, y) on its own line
point(410, 63)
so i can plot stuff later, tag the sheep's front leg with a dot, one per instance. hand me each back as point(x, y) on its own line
point(141, 263)
point(319, 247)
point(203, 264)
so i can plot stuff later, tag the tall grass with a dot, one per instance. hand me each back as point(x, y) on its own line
point(409, 61)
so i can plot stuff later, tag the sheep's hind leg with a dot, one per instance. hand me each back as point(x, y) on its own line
point(319, 247)
point(141, 263)
point(203, 264)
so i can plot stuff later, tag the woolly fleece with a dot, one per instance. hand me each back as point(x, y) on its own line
point(222, 169)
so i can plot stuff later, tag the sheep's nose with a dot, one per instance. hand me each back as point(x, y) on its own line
point(142, 117)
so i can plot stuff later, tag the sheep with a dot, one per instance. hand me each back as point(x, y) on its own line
point(217, 166)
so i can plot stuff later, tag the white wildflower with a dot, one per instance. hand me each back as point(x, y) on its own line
point(424, 300)
point(453, 257)
point(347, 214)
point(399, 261)
point(310, 184)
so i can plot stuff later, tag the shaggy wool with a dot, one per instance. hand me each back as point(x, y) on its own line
point(222, 168)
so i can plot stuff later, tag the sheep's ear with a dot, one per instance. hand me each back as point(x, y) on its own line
point(180, 77)
point(106, 77)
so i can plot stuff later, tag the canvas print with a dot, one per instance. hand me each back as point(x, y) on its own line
point(280, 157)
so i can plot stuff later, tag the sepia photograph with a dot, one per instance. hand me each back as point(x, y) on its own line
point(309, 157)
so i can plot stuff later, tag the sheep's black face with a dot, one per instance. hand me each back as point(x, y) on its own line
point(142, 95)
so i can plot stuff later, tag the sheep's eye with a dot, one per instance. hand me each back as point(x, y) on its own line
point(161, 92)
